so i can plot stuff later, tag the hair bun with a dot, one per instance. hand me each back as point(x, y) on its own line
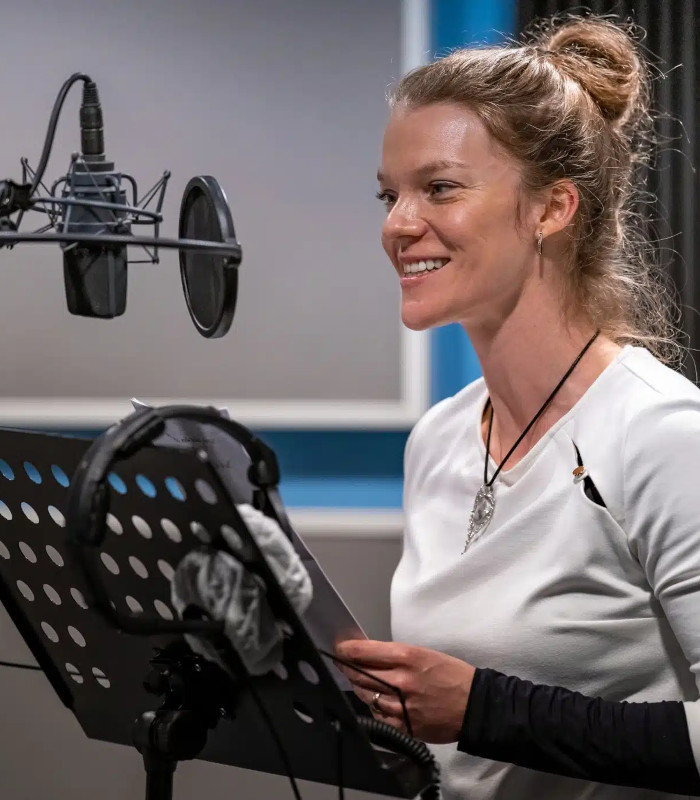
point(602, 57)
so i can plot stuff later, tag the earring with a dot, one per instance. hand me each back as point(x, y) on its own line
point(539, 243)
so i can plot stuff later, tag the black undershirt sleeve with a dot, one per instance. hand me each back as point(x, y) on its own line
point(555, 730)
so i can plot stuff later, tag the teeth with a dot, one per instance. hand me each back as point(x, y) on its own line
point(423, 266)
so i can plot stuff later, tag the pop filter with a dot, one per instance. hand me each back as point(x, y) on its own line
point(209, 279)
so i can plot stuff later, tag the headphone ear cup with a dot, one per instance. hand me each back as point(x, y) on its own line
point(88, 496)
point(86, 510)
point(84, 486)
point(98, 513)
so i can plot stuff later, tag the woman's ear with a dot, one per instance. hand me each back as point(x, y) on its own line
point(561, 202)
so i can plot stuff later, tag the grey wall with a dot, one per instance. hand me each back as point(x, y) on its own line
point(284, 102)
point(44, 753)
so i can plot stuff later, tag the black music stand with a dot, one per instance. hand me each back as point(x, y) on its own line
point(163, 502)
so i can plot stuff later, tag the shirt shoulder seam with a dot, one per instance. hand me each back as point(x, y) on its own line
point(641, 378)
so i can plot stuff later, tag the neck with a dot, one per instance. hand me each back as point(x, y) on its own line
point(523, 359)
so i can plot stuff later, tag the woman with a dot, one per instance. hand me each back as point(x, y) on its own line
point(553, 507)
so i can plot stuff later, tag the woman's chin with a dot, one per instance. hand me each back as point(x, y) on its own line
point(414, 326)
point(419, 321)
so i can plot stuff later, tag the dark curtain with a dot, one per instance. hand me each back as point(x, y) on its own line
point(673, 37)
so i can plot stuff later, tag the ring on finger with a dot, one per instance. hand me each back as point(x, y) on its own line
point(375, 701)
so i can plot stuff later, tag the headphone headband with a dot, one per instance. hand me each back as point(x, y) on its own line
point(88, 499)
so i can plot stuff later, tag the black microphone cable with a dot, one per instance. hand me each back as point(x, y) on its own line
point(393, 689)
point(339, 759)
point(51, 131)
point(385, 735)
point(53, 123)
point(276, 738)
point(378, 732)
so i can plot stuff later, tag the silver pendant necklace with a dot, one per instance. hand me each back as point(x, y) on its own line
point(485, 500)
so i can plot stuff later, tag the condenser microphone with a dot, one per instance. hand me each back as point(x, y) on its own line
point(91, 219)
point(95, 275)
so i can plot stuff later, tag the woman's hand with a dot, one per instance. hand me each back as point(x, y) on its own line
point(435, 686)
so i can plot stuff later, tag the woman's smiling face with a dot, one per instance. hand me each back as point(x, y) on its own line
point(452, 231)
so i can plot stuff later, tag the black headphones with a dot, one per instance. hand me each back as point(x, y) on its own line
point(88, 500)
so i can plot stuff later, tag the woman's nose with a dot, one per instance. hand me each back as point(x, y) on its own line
point(402, 220)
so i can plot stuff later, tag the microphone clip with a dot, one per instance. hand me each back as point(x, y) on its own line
point(14, 197)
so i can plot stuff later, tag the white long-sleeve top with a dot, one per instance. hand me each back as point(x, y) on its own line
point(559, 590)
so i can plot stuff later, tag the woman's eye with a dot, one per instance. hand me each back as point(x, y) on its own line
point(386, 197)
point(440, 188)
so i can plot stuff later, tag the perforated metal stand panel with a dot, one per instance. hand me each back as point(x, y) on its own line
point(163, 502)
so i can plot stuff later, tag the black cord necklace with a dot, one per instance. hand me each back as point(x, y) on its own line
point(485, 501)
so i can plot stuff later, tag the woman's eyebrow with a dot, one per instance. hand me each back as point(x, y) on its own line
point(429, 168)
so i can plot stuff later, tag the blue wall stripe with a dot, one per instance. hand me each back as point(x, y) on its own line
point(453, 362)
point(336, 454)
point(331, 468)
point(342, 469)
point(454, 23)
point(355, 492)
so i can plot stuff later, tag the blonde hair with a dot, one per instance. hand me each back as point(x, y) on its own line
point(573, 103)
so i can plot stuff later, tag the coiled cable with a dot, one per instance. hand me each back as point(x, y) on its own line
point(385, 735)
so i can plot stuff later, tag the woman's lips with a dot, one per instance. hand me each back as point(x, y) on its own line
point(416, 278)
